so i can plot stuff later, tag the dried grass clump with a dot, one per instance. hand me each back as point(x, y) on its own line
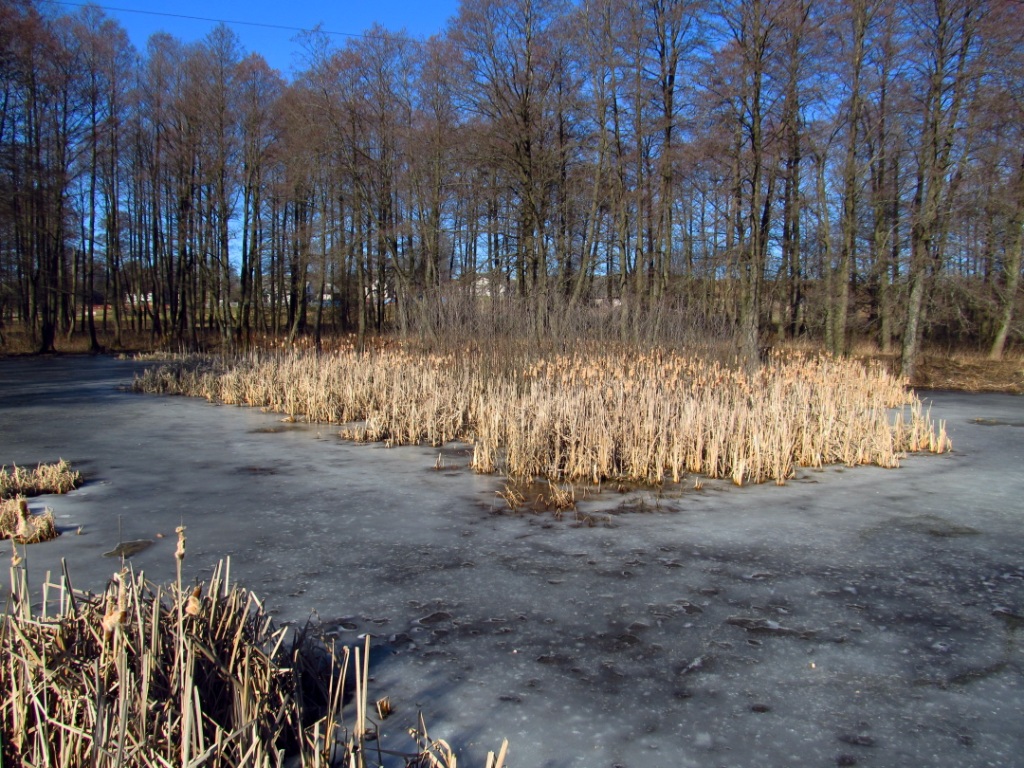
point(16, 521)
point(19, 524)
point(600, 412)
point(45, 478)
point(542, 496)
point(148, 676)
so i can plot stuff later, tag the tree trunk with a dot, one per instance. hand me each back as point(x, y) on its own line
point(1011, 268)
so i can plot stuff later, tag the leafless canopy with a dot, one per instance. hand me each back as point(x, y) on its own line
point(773, 168)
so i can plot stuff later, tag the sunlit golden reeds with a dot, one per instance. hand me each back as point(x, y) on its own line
point(594, 414)
point(24, 527)
point(16, 520)
point(45, 478)
point(143, 675)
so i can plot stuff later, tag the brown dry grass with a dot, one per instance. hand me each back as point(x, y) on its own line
point(594, 414)
point(971, 373)
point(16, 521)
point(19, 524)
point(964, 370)
point(45, 478)
point(148, 676)
point(19, 343)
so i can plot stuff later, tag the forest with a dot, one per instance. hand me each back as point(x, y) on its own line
point(772, 169)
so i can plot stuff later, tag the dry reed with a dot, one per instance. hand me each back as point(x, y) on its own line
point(16, 521)
point(45, 478)
point(594, 414)
point(192, 676)
point(20, 525)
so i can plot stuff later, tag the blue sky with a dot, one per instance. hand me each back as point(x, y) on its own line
point(420, 18)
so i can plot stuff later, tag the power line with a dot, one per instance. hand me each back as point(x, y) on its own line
point(226, 21)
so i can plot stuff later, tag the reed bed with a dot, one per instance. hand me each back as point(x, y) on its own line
point(181, 676)
point(23, 527)
point(594, 414)
point(45, 478)
point(16, 521)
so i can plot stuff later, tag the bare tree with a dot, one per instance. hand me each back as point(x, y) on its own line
point(259, 101)
point(749, 55)
point(511, 80)
point(1004, 114)
point(786, 164)
point(946, 46)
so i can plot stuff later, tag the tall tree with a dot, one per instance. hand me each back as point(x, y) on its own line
point(946, 50)
point(258, 100)
point(854, 24)
point(749, 56)
point(1003, 89)
point(511, 80)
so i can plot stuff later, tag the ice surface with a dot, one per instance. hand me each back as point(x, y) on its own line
point(853, 617)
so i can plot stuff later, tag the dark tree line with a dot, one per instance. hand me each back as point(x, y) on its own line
point(788, 167)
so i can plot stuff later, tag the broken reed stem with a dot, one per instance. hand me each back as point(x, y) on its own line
point(148, 676)
point(592, 415)
point(498, 762)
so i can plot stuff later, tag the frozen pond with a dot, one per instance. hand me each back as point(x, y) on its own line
point(853, 617)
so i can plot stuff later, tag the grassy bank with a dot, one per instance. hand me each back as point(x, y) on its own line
point(597, 413)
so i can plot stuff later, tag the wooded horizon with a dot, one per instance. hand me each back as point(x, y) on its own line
point(779, 168)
